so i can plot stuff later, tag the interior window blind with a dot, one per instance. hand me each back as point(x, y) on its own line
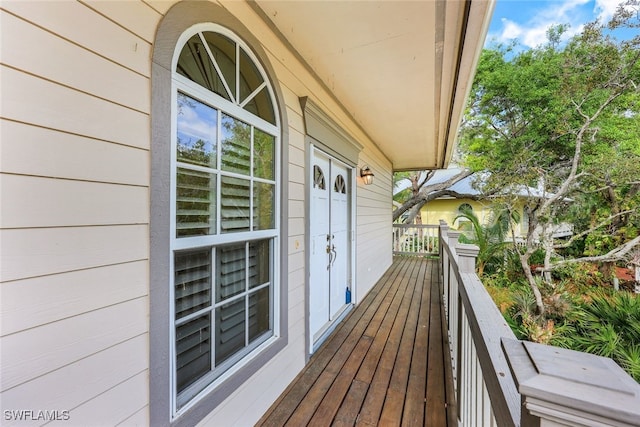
point(231, 280)
point(192, 295)
point(195, 203)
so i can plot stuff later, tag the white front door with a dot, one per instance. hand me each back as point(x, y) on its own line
point(329, 286)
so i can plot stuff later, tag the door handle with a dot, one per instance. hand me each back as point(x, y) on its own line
point(335, 255)
point(330, 256)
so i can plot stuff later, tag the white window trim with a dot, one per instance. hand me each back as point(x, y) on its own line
point(181, 83)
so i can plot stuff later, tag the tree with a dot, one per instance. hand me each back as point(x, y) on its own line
point(543, 118)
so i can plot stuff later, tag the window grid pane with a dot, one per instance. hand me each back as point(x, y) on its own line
point(192, 282)
point(259, 313)
point(263, 155)
point(236, 146)
point(235, 201)
point(230, 329)
point(193, 350)
point(197, 132)
point(195, 203)
point(230, 271)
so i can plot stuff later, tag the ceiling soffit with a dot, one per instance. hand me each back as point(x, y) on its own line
point(400, 69)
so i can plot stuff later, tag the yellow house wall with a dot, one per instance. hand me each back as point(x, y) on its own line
point(447, 210)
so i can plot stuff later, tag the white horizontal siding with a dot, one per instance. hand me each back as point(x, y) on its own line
point(75, 209)
point(81, 25)
point(116, 405)
point(35, 352)
point(136, 16)
point(47, 56)
point(76, 384)
point(32, 150)
point(374, 225)
point(63, 203)
point(140, 418)
point(70, 110)
point(61, 296)
point(40, 251)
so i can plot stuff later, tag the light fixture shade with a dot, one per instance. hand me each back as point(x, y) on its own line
point(367, 175)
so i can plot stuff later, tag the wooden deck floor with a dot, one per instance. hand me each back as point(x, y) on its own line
point(383, 366)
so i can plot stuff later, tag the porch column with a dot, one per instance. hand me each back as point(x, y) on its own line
point(561, 387)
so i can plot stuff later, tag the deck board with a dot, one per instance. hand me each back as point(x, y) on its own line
point(383, 365)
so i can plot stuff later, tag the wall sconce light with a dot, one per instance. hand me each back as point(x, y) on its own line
point(367, 175)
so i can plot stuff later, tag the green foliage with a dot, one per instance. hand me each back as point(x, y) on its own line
point(597, 321)
point(529, 111)
point(490, 238)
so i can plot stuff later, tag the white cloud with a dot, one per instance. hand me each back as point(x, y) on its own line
point(195, 124)
point(533, 32)
point(605, 9)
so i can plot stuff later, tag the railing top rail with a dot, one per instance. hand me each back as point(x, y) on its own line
point(488, 327)
point(432, 226)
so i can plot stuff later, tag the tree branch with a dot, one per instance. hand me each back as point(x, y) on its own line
point(430, 192)
point(612, 256)
point(590, 230)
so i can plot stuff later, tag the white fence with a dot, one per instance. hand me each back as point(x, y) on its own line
point(415, 239)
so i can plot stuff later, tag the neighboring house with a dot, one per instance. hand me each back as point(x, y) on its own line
point(448, 207)
point(183, 217)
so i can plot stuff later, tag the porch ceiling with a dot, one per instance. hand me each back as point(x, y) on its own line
point(401, 69)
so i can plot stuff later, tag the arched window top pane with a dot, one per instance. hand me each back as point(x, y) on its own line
point(318, 178)
point(195, 64)
point(213, 61)
point(465, 207)
point(339, 186)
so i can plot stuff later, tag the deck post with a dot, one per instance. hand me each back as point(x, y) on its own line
point(561, 387)
point(467, 255)
point(452, 241)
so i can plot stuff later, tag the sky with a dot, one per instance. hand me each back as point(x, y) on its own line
point(528, 20)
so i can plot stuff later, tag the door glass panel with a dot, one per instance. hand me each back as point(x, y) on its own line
point(318, 177)
point(339, 186)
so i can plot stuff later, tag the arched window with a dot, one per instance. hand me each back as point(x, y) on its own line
point(225, 198)
point(465, 207)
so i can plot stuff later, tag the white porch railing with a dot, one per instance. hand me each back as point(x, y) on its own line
point(415, 239)
point(500, 381)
